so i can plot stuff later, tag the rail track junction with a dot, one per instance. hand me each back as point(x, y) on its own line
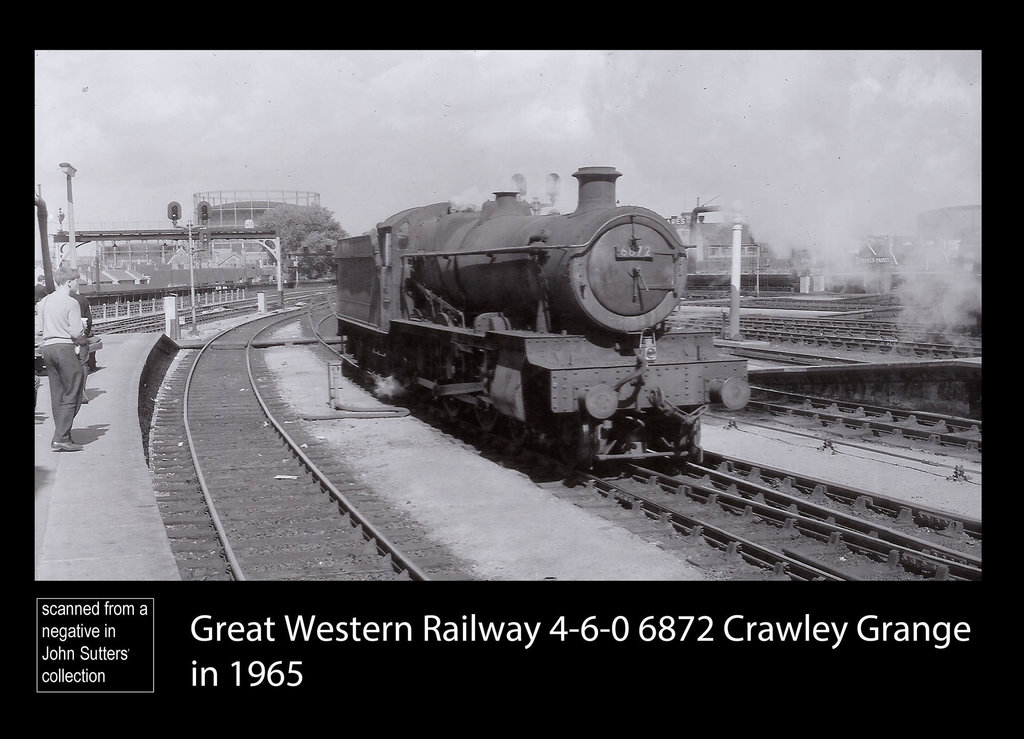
point(286, 505)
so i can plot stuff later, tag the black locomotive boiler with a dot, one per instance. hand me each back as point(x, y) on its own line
point(554, 325)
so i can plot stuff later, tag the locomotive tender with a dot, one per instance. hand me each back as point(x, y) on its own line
point(553, 324)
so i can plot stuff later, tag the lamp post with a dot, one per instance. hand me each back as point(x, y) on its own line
point(72, 247)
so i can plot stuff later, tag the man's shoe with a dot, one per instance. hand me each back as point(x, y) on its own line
point(65, 446)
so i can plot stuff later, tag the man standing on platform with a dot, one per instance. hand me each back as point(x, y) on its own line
point(61, 320)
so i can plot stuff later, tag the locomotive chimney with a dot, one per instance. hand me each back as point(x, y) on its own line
point(597, 187)
point(505, 203)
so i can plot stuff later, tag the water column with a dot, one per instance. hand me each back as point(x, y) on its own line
point(734, 292)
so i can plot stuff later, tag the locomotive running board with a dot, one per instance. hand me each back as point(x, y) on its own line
point(455, 388)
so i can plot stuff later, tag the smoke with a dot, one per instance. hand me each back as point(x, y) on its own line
point(519, 184)
point(388, 388)
point(468, 200)
point(942, 301)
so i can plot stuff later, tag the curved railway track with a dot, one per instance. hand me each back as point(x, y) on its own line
point(229, 465)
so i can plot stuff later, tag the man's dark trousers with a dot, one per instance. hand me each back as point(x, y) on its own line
point(64, 369)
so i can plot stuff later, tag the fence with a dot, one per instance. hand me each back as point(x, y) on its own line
point(155, 306)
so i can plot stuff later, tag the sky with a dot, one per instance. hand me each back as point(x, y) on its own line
point(811, 149)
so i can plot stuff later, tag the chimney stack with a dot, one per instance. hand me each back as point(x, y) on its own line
point(597, 187)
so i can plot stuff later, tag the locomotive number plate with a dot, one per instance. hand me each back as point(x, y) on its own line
point(640, 251)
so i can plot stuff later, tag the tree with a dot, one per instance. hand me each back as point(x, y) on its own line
point(308, 232)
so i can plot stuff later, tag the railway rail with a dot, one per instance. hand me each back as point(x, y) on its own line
point(791, 526)
point(795, 528)
point(863, 304)
point(275, 513)
point(844, 534)
point(875, 328)
point(760, 523)
point(856, 323)
point(829, 333)
point(945, 430)
point(895, 510)
point(740, 521)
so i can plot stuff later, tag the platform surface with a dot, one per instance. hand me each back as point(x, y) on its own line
point(96, 515)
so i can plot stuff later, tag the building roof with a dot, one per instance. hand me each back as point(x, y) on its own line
point(166, 277)
point(113, 274)
point(716, 234)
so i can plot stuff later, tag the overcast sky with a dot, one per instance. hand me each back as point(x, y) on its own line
point(811, 147)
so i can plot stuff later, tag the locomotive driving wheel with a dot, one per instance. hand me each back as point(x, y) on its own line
point(578, 442)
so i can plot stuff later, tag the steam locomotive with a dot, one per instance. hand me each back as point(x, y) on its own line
point(554, 325)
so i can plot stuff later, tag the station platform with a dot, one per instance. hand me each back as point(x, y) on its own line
point(951, 386)
point(96, 515)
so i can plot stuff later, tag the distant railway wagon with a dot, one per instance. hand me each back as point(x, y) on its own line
point(766, 282)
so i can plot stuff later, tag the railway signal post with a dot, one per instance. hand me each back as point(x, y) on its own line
point(70, 252)
point(194, 331)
